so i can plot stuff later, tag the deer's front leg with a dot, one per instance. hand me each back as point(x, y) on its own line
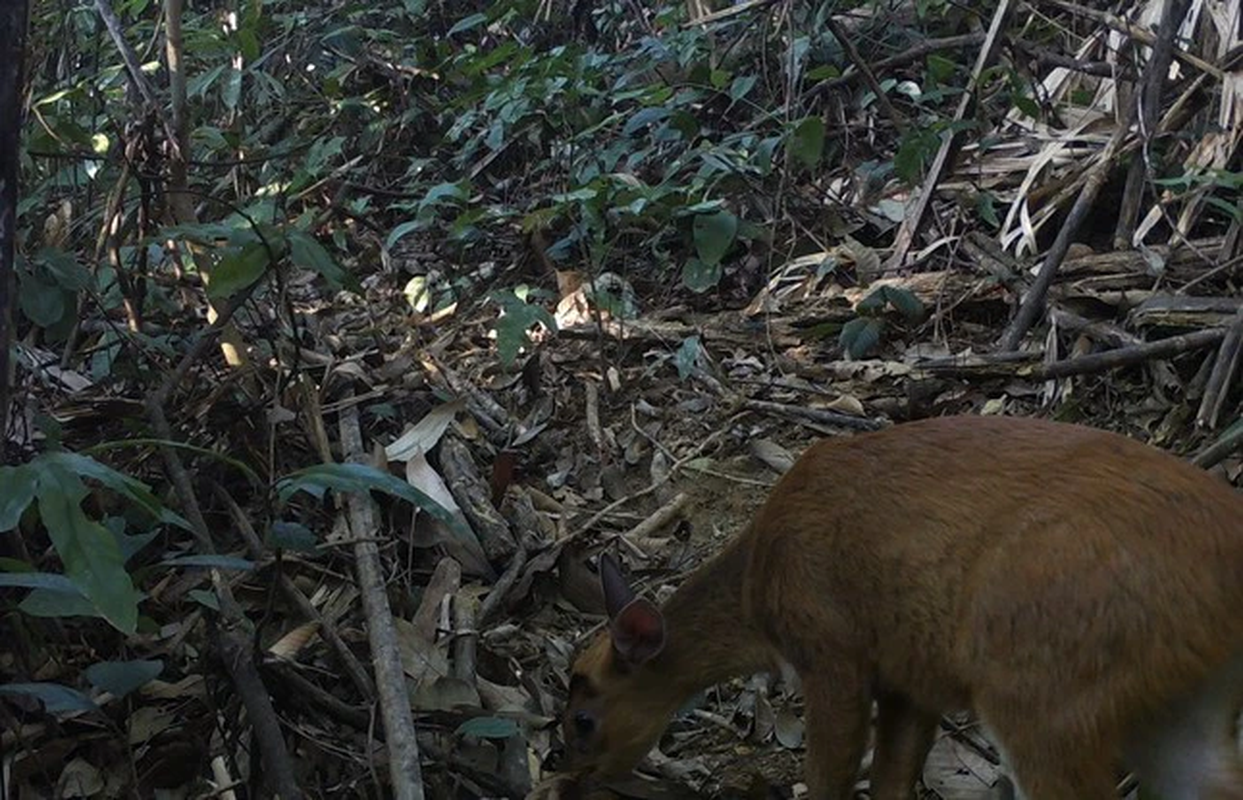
point(838, 709)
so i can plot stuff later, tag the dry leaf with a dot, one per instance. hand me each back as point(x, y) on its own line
point(424, 435)
point(957, 772)
point(289, 645)
point(789, 729)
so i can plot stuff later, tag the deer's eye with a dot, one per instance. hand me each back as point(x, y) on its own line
point(584, 724)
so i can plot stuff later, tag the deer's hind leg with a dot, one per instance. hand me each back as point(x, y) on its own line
point(1191, 750)
point(1051, 759)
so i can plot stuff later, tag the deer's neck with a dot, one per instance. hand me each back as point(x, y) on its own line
point(709, 638)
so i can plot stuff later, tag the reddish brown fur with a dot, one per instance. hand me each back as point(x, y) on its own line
point(1082, 592)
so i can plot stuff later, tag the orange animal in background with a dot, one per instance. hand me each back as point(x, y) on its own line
point(1081, 592)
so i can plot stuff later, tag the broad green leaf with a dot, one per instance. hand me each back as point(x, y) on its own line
point(119, 678)
point(511, 335)
point(17, 490)
point(700, 277)
point(764, 153)
point(860, 335)
point(232, 91)
point(284, 535)
point(512, 325)
point(204, 598)
point(65, 269)
point(39, 580)
point(807, 141)
point(687, 356)
point(714, 234)
point(57, 604)
point(823, 73)
point(742, 86)
point(56, 699)
point(644, 117)
point(940, 68)
point(306, 252)
point(905, 301)
point(42, 302)
point(89, 551)
point(908, 162)
point(874, 301)
point(128, 487)
point(238, 269)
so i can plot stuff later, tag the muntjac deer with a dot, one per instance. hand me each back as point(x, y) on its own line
point(1080, 592)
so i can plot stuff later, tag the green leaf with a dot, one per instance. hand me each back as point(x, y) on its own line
point(39, 580)
point(119, 678)
point(742, 86)
point(90, 553)
point(714, 234)
point(986, 207)
point(764, 153)
point(511, 335)
point(687, 356)
point(875, 301)
point(43, 303)
point(518, 317)
point(238, 269)
point(284, 535)
point(488, 728)
point(823, 73)
point(860, 335)
point(468, 23)
point(132, 489)
point(940, 68)
point(644, 117)
point(204, 598)
point(51, 603)
point(1026, 105)
point(909, 160)
point(316, 479)
point(400, 231)
point(65, 269)
point(306, 252)
point(807, 141)
point(700, 277)
point(56, 699)
point(19, 490)
point(212, 561)
point(905, 301)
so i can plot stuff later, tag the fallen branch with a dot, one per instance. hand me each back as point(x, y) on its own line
point(1227, 444)
point(1124, 356)
point(817, 415)
point(1222, 376)
point(658, 518)
point(403, 750)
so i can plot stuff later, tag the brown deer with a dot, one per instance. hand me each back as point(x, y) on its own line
point(1080, 592)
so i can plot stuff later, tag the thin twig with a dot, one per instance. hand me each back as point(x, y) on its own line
point(1222, 376)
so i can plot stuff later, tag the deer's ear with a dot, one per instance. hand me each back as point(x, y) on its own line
point(636, 625)
point(617, 592)
point(638, 632)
